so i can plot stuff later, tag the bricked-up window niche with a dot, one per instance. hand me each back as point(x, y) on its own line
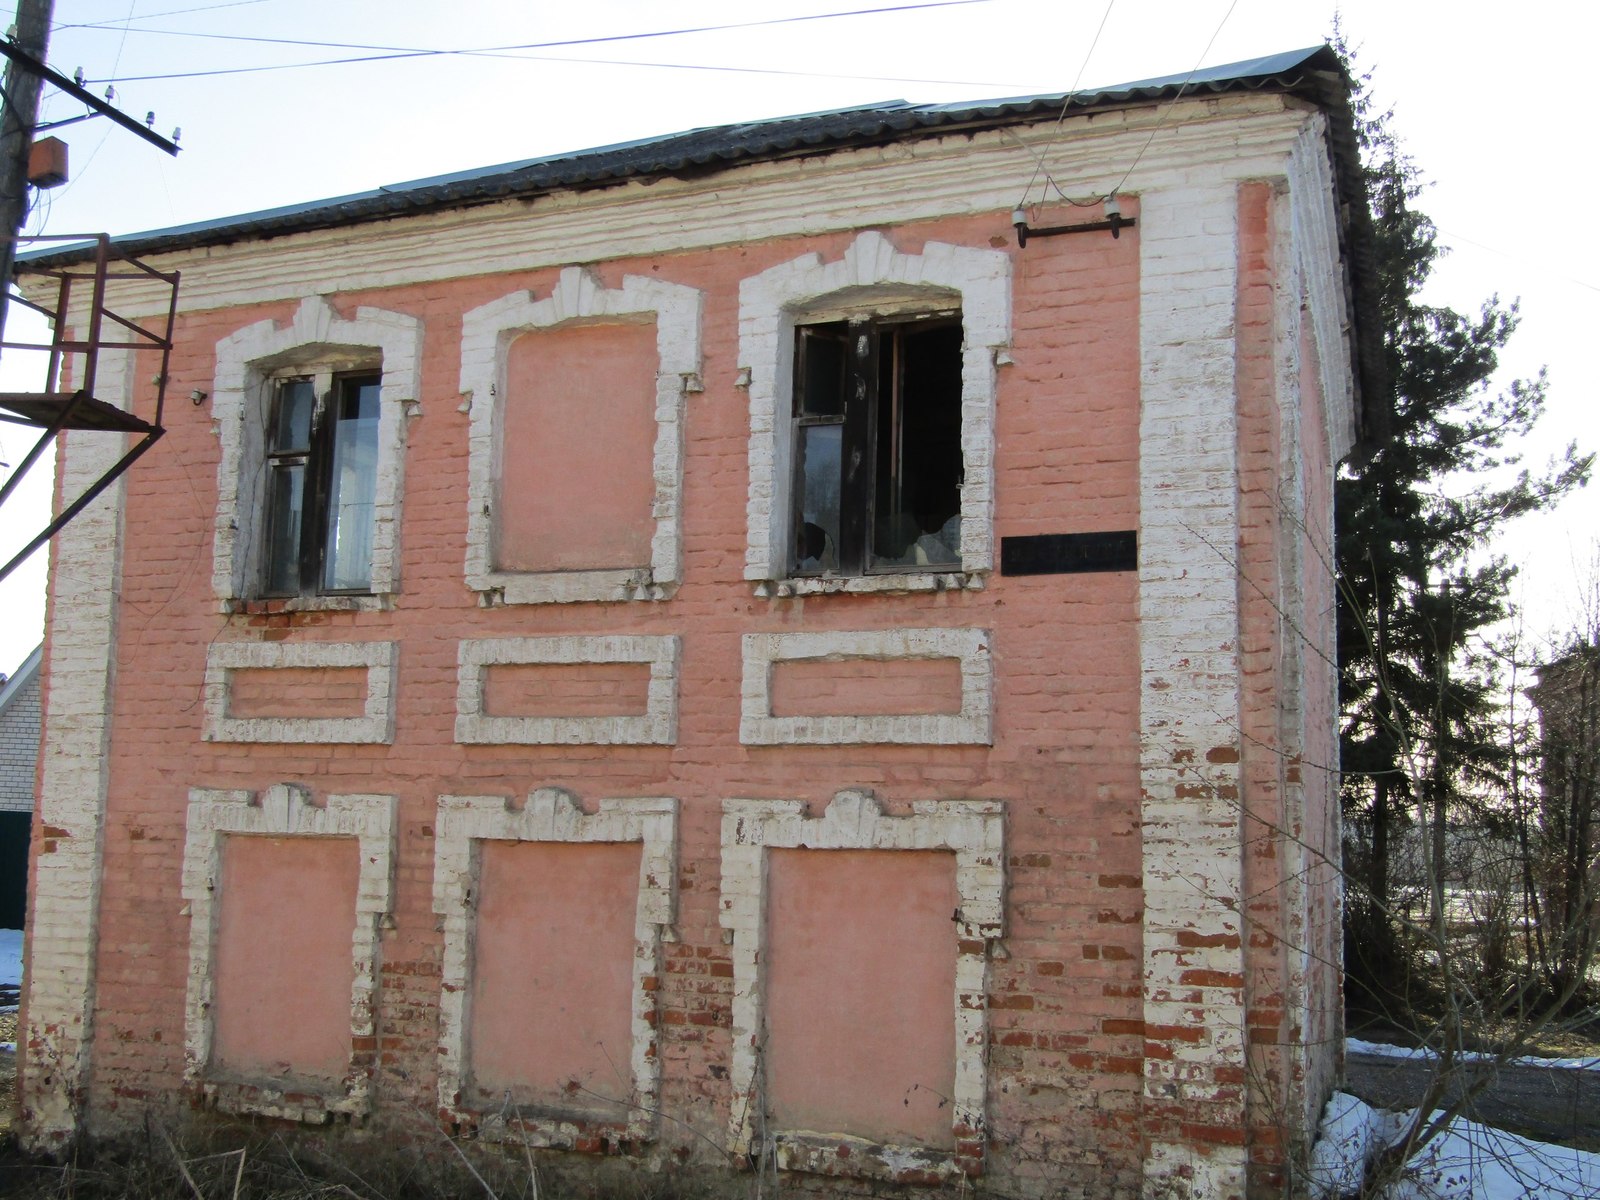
point(797, 1120)
point(872, 404)
point(286, 901)
point(877, 445)
point(554, 922)
point(311, 416)
point(575, 469)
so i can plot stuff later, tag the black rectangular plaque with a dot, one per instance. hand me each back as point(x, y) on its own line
point(1069, 553)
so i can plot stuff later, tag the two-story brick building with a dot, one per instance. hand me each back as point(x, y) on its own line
point(713, 644)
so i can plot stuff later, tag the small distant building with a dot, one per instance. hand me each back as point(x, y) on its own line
point(1567, 698)
point(19, 757)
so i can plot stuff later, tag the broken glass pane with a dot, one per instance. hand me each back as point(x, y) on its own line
point(284, 505)
point(352, 490)
point(291, 422)
point(816, 536)
point(821, 390)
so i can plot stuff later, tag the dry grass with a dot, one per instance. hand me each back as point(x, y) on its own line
point(8, 1070)
point(249, 1162)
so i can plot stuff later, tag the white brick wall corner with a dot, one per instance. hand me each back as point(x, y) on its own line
point(80, 656)
point(1189, 650)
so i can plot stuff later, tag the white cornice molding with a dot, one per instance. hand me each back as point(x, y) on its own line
point(960, 174)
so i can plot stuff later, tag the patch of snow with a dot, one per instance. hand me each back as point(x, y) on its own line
point(1384, 1050)
point(1346, 1139)
point(1468, 1161)
point(11, 957)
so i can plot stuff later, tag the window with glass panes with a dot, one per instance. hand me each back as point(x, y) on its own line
point(877, 445)
point(322, 471)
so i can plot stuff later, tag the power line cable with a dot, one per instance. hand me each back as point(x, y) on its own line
point(171, 12)
point(1039, 164)
point(1163, 120)
point(587, 41)
point(551, 58)
point(1517, 258)
point(1167, 112)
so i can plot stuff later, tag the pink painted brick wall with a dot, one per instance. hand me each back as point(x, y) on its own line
point(809, 687)
point(1065, 1019)
point(565, 689)
point(297, 692)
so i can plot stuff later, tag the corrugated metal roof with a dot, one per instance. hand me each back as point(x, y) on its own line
point(1314, 73)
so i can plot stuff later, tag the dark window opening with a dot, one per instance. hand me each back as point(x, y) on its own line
point(322, 476)
point(877, 446)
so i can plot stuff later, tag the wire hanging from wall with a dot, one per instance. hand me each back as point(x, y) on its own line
point(1109, 196)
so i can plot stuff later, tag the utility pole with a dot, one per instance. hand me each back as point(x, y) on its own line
point(21, 99)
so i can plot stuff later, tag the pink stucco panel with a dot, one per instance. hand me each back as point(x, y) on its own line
point(860, 993)
point(552, 979)
point(566, 689)
point(579, 431)
point(863, 687)
point(287, 912)
point(297, 692)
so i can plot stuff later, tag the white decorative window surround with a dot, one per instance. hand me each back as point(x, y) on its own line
point(376, 724)
point(657, 726)
point(486, 334)
point(973, 725)
point(552, 815)
point(872, 278)
point(975, 831)
point(285, 810)
point(246, 363)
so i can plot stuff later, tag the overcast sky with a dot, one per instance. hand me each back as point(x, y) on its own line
point(1489, 99)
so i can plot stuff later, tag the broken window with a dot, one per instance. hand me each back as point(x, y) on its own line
point(877, 445)
point(321, 484)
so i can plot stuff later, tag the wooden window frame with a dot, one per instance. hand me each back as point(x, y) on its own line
point(330, 384)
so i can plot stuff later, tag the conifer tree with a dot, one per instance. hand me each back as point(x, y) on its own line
point(1415, 525)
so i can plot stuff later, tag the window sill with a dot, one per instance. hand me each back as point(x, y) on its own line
point(911, 581)
point(304, 1102)
point(623, 585)
point(842, 1156)
point(382, 602)
point(586, 1133)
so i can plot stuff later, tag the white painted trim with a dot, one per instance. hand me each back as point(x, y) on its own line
point(657, 726)
point(963, 174)
point(486, 336)
point(80, 661)
point(285, 810)
point(1189, 657)
point(871, 274)
point(854, 820)
point(1315, 232)
point(551, 815)
point(376, 724)
point(246, 360)
point(973, 725)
